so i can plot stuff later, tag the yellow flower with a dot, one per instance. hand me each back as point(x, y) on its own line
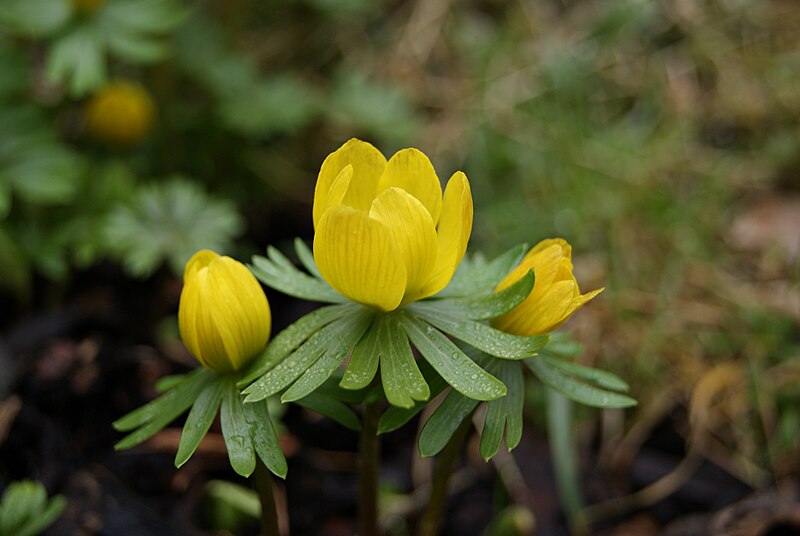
point(555, 295)
point(384, 235)
point(120, 114)
point(224, 316)
point(86, 7)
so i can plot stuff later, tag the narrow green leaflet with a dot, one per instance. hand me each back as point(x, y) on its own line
point(402, 380)
point(236, 431)
point(77, 60)
point(285, 342)
point(167, 383)
point(599, 377)
point(444, 422)
point(155, 415)
point(306, 258)
point(43, 519)
point(276, 271)
point(395, 417)
point(562, 345)
point(504, 414)
point(364, 362)
point(575, 390)
point(346, 337)
point(450, 362)
point(264, 439)
point(332, 389)
point(202, 414)
point(485, 338)
point(475, 276)
point(488, 305)
point(333, 409)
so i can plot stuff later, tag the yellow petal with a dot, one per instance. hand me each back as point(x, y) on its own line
point(455, 227)
point(413, 234)
point(566, 249)
point(537, 315)
point(413, 172)
point(240, 311)
point(368, 165)
point(224, 317)
point(357, 256)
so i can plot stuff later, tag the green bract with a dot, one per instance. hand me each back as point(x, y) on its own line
point(25, 509)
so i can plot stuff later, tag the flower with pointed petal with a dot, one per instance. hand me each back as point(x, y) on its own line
point(224, 316)
point(384, 233)
point(555, 295)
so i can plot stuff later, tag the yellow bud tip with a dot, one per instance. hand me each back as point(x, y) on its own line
point(223, 316)
point(120, 114)
point(555, 294)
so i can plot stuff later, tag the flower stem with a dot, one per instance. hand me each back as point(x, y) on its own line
point(262, 482)
point(368, 469)
point(431, 521)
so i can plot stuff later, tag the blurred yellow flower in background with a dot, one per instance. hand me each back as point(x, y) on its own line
point(384, 234)
point(120, 114)
point(555, 295)
point(224, 316)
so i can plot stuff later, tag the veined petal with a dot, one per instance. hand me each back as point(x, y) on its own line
point(546, 260)
point(413, 234)
point(412, 171)
point(368, 165)
point(455, 227)
point(240, 314)
point(198, 330)
point(357, 256)
point(566, 248)
point(539, 314)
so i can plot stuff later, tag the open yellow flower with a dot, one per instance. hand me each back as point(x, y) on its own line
point(224, 317)
point(121, 114)
point(555, 295)
point(384, 234)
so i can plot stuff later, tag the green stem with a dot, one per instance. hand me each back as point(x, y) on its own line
point(565, 460)
point(431, 521)
point(368, 469)
point(262, 482)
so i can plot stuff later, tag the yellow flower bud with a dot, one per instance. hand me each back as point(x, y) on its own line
point(121, 114)
point(555, 295)
point(384, 233)
point(86, 7)
point(224, 317)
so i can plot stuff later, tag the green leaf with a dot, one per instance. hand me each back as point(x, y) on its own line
point(485, 338)
point(444, 422)
point(504, 414)
point(167, 383)
point(236, 431)
point(293, 336)
point(279, 273)
point(20, 502)
point(136, 47)
point(489, 305)
point(475, 276)
point(306, 257)
point(600, 377)
point(562, 345)
point(45, 518)
point(185, 392)
point(202, 414)
point(364, 361)
point(297, 363)
point(330, 407)
point(575, 390)
point(450, 362)
point(169, 221)
point(77, 61)
point(347, 336)
point(32, 18)
point(265, 440)
point(395, 417)
point(402, 380)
